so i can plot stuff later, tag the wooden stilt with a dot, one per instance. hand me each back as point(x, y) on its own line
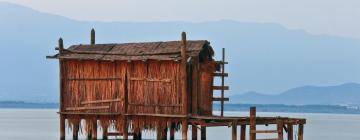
point(89, 135)
point(164, 134)
point(280, 129)
point(301, 132)
point(125, 129)
point(203, 132)
point(137, 136)
point(234, 131)
point(94, 130)
point(62, 127)
point(252, 123)
point(194, 132)
point(243, 132)
point(290, 133)
point(159, 132)
point(75, 131)
point(172, 131)
point(184, 128)
point(105, 134)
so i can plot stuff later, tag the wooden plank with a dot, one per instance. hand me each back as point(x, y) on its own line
point(157, 115)
point(252, 123)
point(86, 108)
point(290, 132)
point(203, 132)
point(102, 101)
point(301, 132)
point(234, 131)
point(220, 99)
point(242, 132)
point(264, 131)
point(89, 113)
point(159, 105)
point(221, 74)
point(280, 129)
point(150, 80)
point(220, 87)
point(94, 79)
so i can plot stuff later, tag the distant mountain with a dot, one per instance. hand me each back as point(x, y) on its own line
point(345, 94)
point(262, 57)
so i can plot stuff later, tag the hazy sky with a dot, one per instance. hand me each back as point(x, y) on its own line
point(331, 17)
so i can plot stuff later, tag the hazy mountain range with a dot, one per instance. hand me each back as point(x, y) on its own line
point(263, 57)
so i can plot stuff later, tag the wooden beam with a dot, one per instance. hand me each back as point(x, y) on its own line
point(242, 132)
point(223, 87)
point(252, 123)
point(75, 131)
point(86, 108)
point(221, 74)
point(184, 128)
point(102, 101)
point(264, 131)
point(220, 99)
point(183, 81)
point(94, 79)
point(172, 131)
point(203, 132)
point(220, 87)
point(105, 134)
point(290, 132)
point(280, 129)
point(194, 132)
point(94, 130)
point(164, 133)
point(62, 127)
point(234, 131)
point(151, 80)
point(301, 132)
point(158, 105)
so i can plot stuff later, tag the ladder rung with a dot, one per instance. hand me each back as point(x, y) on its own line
point(264, 131)
point(220, 87)
point(221, 62)
point(220, 99)
point(268, 139)
point(220, 74)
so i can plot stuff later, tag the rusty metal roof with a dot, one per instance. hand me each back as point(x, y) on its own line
point(169, 50)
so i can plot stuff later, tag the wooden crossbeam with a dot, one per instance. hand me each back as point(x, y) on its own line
point(220, 87)
point(102, 101)
point(93, 79)
point(151, 80)
point(221, 74)
point(160, 105)
point(264, 131)
point(220, 99)
point(86, 108)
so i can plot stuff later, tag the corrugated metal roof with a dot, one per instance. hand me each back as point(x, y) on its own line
point(170, 50)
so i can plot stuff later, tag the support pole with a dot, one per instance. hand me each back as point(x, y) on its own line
point(158, 133)
point(290, 132)
point(172, 131)
point(164, 133)
point(125, 129)
point(301, 132)
point(137, 136)
point(280, 129)
point(234, 131)
point(105, 134)
point(222, 81)
point(194, 132)
point(94, 130)
point(243, 132)
point(62, 127)
point(203, 132)
point(183, 86)
point(252, 123)
point(92, 37)
point(75, 131)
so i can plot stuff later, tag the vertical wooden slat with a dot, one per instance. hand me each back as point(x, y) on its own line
point(194, 132)
point(280, 129)
point(252, 123)
point(203, 132)
point(184, 86)
point(234, 131)
point(290, 132)
point(301, 132)
point(242, 132)
point(94, 129)
point(62, 127)
point(222, 81)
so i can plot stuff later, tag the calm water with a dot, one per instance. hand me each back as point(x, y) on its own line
point(42, 124)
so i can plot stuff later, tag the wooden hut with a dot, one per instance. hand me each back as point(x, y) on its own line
point(138, 86)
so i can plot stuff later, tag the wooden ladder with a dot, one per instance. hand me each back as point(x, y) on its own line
point(253, 130)
point(222, 88)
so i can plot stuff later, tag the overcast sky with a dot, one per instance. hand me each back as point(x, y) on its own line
point(330, 17)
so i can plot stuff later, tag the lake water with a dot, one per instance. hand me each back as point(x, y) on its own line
point(42, 124)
